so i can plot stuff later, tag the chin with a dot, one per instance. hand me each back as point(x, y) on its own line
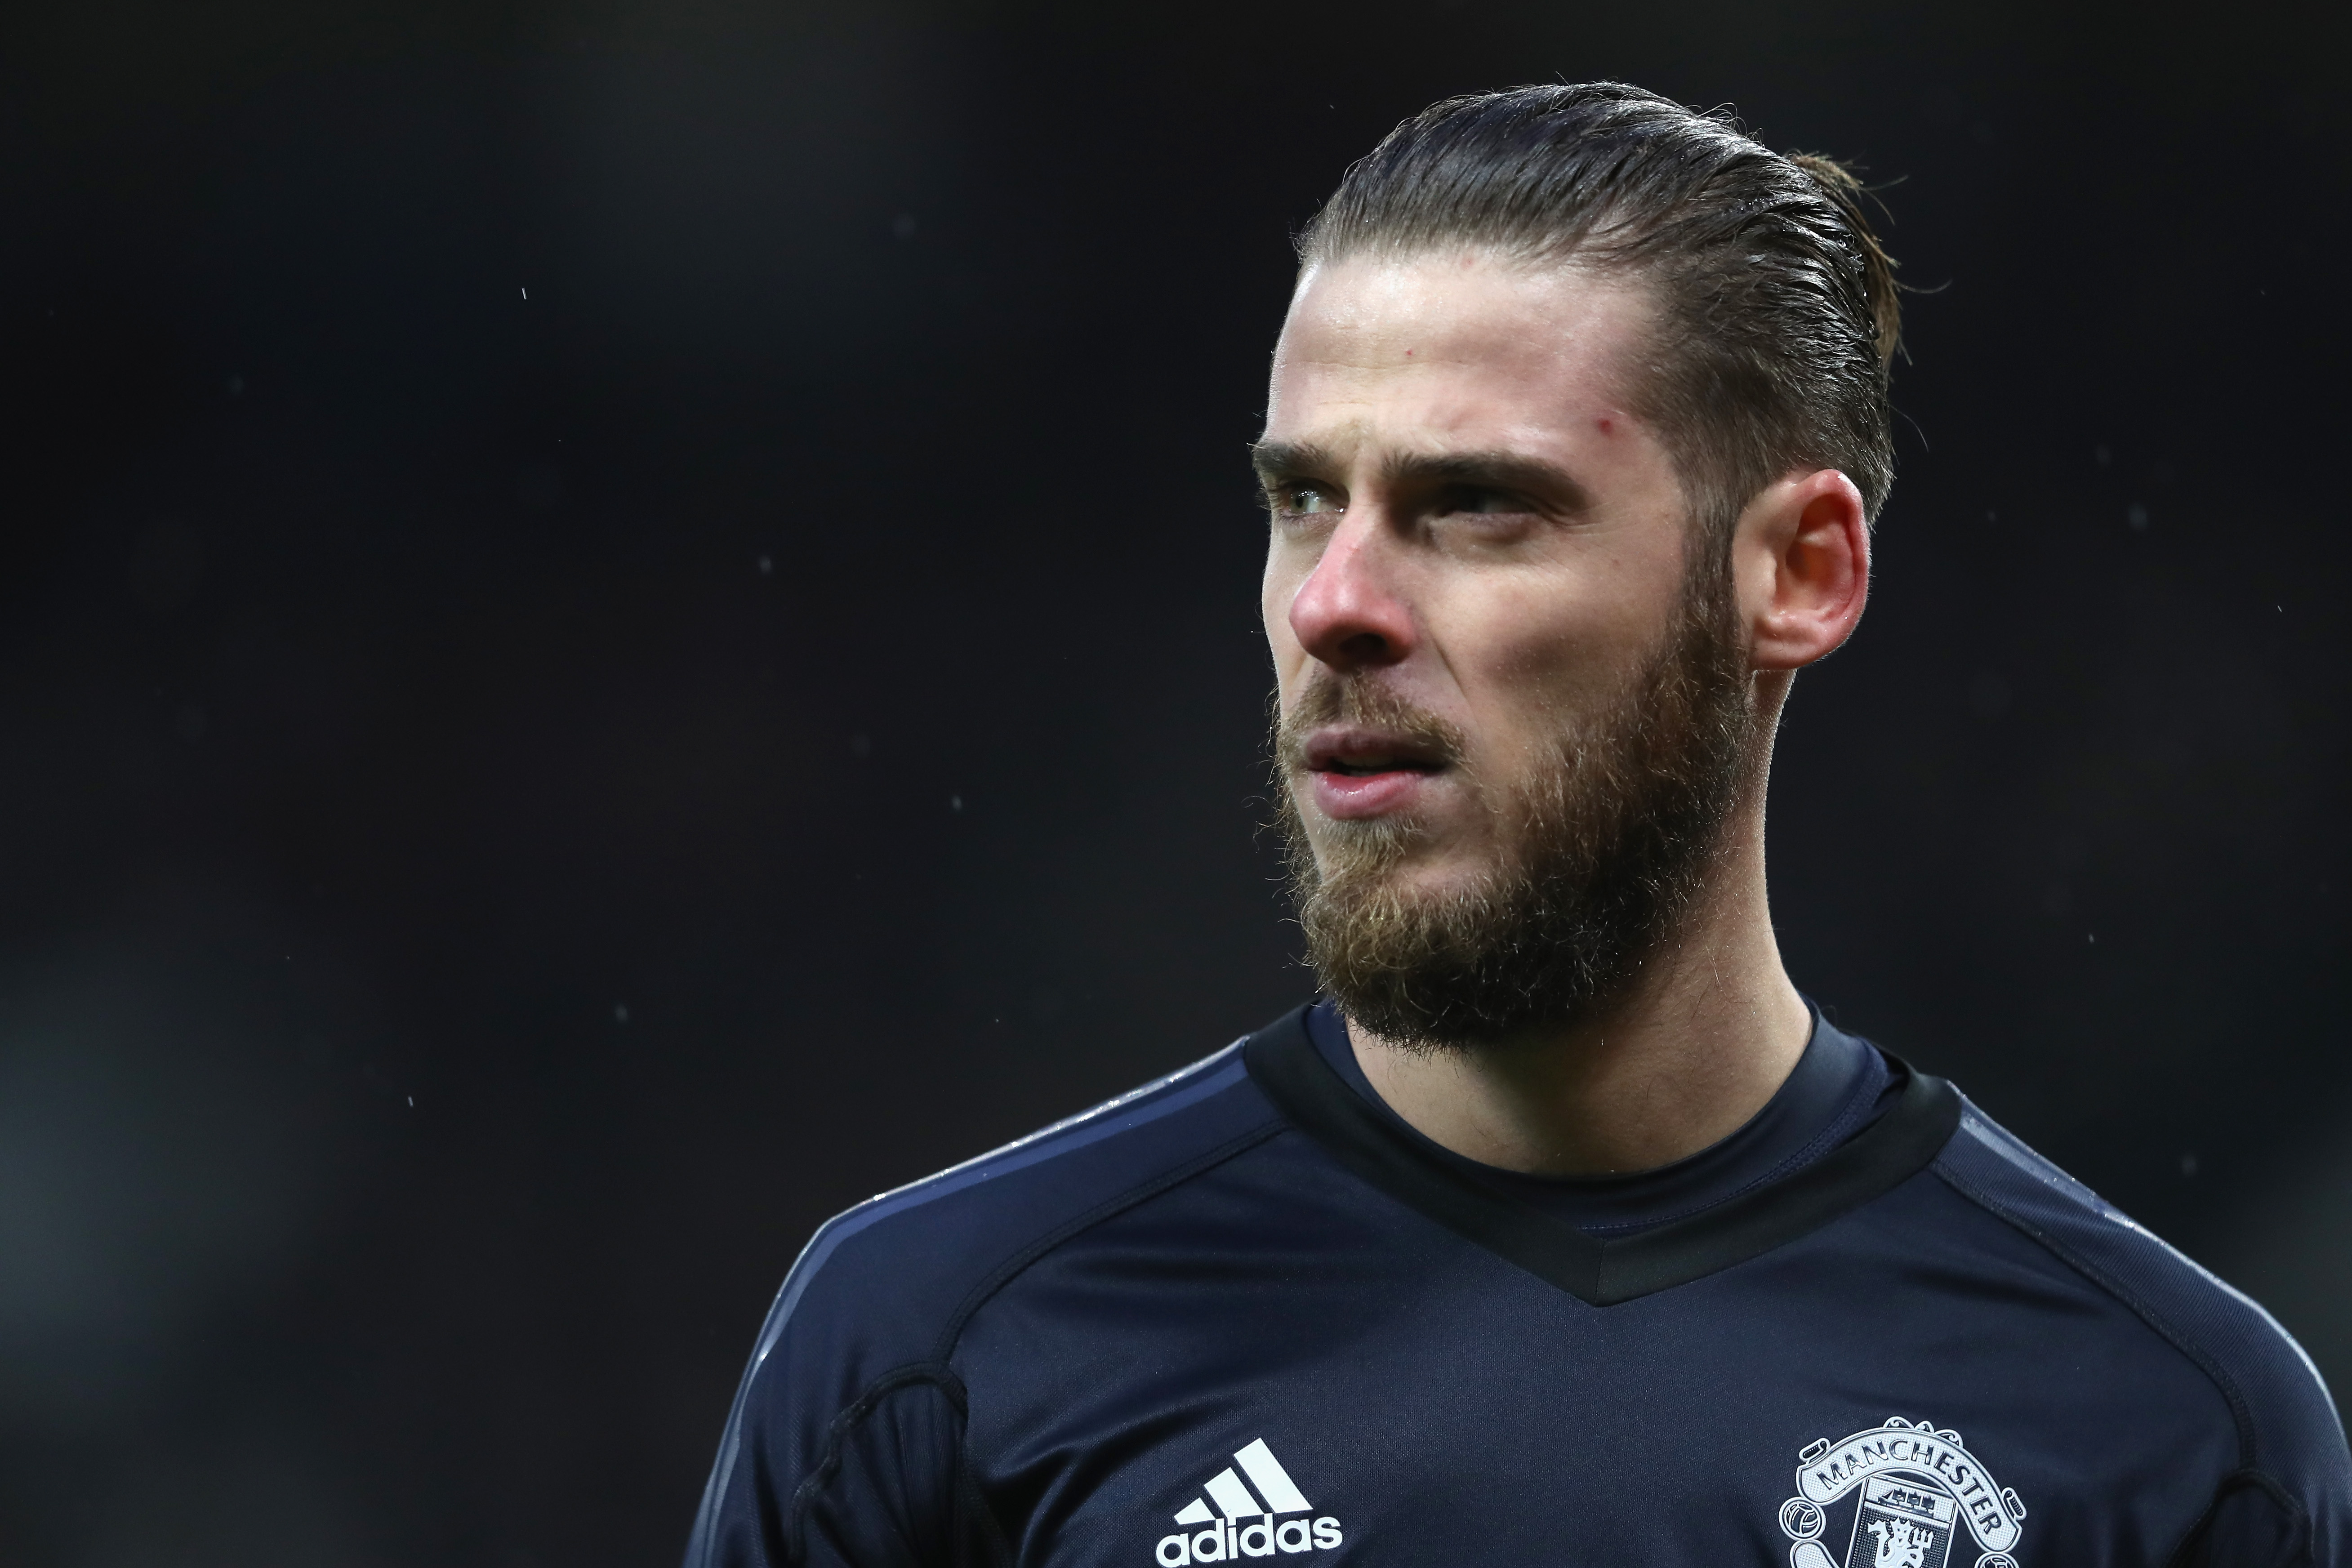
point(1395, 855)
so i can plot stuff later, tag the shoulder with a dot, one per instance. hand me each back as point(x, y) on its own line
point(2288, 1433)
point(885, 1286)
point(906, 1264)
point(858, 1337)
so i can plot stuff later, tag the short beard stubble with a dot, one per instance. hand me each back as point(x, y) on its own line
point(1605, 850)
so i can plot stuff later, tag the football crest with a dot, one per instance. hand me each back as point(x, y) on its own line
point(1900, 1495)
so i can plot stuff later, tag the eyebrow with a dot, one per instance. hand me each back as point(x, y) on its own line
point(1277, 460)
point(1289, 459)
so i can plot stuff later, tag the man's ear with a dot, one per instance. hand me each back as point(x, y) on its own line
point(1801, 564)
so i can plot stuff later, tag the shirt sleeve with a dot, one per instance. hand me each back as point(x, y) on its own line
point(887, 1487)
point(2252, 1523)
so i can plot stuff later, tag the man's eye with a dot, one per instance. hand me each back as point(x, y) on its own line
point(1304, 500)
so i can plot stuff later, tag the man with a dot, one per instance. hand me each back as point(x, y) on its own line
point(1563, 1229)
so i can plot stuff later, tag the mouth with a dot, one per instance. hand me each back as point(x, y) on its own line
point(1369, 767)
point(1362, 756)
point(1355, 753)
point(1365, 753)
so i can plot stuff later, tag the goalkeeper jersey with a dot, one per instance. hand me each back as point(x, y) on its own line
point(1246, 1314)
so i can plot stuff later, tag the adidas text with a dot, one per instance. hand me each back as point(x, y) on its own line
point(1246, 1523)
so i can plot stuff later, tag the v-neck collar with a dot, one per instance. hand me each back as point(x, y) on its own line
point(1284, 1063)
point(1840, 1085)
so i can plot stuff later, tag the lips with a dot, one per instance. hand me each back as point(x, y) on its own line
point(1358, 753)
point(1362, 772)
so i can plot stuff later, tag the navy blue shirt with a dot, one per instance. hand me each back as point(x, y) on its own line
point(1838, 1087)
point(1247, 1312)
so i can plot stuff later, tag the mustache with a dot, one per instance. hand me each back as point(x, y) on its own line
point(1356, 699)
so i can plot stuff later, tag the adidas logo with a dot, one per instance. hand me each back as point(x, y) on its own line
point(1246, 1523)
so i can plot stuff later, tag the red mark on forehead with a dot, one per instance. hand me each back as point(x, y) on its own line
point(1607, 425)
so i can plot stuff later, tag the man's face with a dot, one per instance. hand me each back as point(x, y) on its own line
point(1503, 689)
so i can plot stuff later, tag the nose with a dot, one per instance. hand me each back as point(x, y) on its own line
point(1348, 614)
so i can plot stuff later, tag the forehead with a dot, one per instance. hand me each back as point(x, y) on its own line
point(1451, 351)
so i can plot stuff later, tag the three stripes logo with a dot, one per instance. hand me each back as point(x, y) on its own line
point(1246, 1523)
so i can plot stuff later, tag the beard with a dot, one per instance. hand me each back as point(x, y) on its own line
point(1605, 846)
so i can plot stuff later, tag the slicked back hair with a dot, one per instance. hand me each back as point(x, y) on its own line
point(1777, 313)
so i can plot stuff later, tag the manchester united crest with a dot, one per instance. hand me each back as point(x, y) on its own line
point(1900, 1495)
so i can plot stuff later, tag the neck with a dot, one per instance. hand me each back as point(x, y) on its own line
point(1709, 1033)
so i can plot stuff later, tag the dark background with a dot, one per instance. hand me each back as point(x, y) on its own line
point(514, 808)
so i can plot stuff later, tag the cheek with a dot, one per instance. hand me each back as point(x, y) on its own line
point(1544, 648)
point(1534, 673)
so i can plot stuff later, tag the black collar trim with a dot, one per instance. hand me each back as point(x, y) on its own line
point(1319, 1102)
